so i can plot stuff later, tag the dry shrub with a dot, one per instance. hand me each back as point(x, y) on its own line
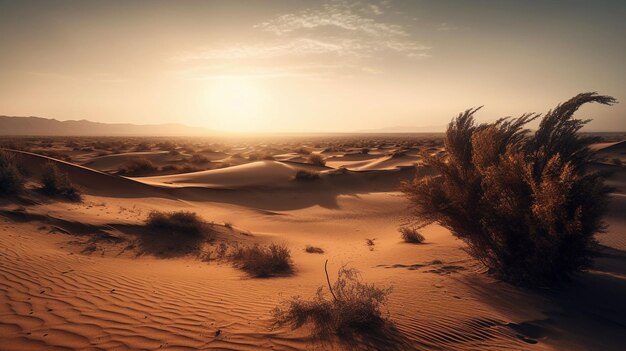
point(354, 307)
point(11, 179)
point(303, 151)
point(143, 146)
point(411, 235)
point(306, 175)
point(56, 183)
point(313, 249)
point(524, 203)
point(175, 233)
point(316, 159)
point(264, 261)
point(137, 166)
point(180, 223)
point(199, 159)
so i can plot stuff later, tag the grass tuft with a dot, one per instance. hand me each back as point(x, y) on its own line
point(411, 235)
point(264, 261)
point(354, 307)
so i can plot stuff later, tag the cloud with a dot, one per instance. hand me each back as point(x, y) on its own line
point(445, 27)
point(341, 32)
point(335, 15)
point(281, 48)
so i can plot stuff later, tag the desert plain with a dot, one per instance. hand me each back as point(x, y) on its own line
point(90, 275)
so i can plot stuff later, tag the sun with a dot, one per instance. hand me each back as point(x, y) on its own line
point(237, 104)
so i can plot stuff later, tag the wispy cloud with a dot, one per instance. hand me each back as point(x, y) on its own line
point(445, 27)
point(339, 30)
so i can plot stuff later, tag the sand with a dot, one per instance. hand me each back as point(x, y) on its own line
point(70, 281)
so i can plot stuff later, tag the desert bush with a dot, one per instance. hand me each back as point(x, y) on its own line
point(181, 222)
point(316, 159)
point(175, 233)
point(143, 146)
point(524, 203)
point(411, 235)
point(353, 307)
point(198, 159)
point(263, 261)
point(303, 174)
point(313, 249)
point(56, 183)
point(137, 166)
point(303, 151)
point(11, 179)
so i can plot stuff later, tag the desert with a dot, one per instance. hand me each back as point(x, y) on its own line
point(312, 175)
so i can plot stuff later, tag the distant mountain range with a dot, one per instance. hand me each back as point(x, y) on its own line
point(10, 125)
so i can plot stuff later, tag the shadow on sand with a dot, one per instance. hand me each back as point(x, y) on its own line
point(589, 312)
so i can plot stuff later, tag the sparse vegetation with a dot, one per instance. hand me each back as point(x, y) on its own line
point(199, 159)
point(264, 261)
point(411, 235)
point(11, 179)
point(306, 175)
point(56, 183)
point(313, 249)
point(179, 223)
point(137, 166)
point(316, 159)
point(354, 307)
point(303, 151)
point(525, 204)
point(175, 233)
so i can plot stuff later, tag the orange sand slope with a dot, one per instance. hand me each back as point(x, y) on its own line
point(53, 297)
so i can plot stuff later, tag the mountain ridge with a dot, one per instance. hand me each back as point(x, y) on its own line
point(35, 126)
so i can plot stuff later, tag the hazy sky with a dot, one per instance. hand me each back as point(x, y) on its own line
point(296, 65)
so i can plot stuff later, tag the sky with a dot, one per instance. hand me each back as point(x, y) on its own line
point(309, 66)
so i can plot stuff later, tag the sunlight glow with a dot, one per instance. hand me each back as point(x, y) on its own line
point(237, 104)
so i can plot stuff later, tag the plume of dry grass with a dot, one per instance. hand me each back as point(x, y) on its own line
point(354, 307)
point(411, 235)
point(523, 202)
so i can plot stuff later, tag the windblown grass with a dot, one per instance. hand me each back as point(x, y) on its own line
point(524, 203)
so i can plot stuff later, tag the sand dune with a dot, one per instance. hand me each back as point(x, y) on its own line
point(371, 162)
point(95, 182)
point(113, 162)
point(259, 173)
point(72, 276)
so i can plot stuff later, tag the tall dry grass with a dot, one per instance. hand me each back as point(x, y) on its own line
point(524, 203)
